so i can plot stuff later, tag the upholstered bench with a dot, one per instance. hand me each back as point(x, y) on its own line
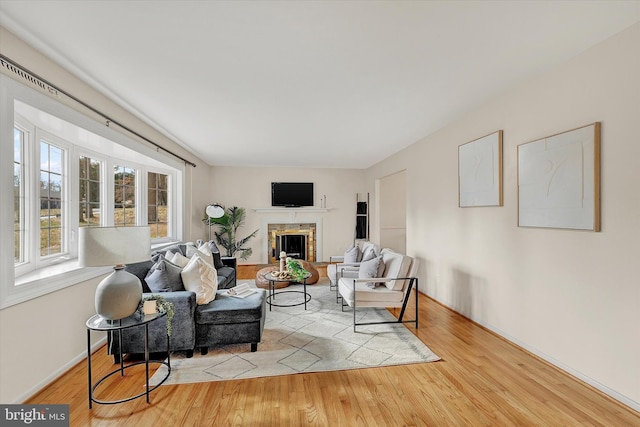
point(230, 320)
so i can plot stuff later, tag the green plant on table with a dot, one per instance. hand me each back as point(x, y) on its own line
point(296, 270)
point(163, 306)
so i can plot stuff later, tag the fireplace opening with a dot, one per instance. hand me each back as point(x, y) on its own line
point(295, 245)
point(296, 240)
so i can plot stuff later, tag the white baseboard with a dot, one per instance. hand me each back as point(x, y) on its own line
point(57, 374)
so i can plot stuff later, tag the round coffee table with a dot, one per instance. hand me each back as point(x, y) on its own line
point(271, 290)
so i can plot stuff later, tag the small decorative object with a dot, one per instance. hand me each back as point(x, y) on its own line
point(559, 180)
point(149, 307)
point(480, 171)
point(241, 291)
point(160, 305)
point(283, 256)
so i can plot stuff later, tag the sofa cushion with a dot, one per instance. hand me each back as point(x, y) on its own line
point(395, 265)
point(226, 276)
point(200, 277)
point(226, 309)
point(164, 276)
point(368, 297)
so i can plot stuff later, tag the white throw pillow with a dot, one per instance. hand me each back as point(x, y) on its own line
point(179, 259)
point(200, 277)
point(370, 269)
point(351, 255)
point(205, 251)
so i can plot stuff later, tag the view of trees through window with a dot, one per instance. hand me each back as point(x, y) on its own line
point(157, 187)
point(124, 196)
point(90, 183)
point(51, 220)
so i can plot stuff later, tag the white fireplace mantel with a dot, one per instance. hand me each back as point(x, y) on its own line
point(276, 215)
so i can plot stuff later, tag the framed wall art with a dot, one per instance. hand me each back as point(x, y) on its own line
point(559, 180)
point(480, 172)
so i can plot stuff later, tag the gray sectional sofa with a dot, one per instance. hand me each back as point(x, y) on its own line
point(225, 320)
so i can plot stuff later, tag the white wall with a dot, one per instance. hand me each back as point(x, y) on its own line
point(42, 338)
point(571, 296)
point(250, 188)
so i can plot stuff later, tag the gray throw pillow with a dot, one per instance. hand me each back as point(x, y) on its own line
point(164, 276)
point(351, 254)
point(369, 269)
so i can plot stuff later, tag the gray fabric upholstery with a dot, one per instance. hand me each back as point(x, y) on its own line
point(226, 309)
point(183, 335)
point(229, 320)
point(184, 323)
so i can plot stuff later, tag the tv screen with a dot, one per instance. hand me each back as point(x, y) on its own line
point(292, 194)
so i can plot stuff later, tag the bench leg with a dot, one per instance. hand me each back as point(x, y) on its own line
point(189, 354)
point(254, 347)
point(204, 350)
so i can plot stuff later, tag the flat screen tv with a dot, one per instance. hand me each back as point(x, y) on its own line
point(292, 194)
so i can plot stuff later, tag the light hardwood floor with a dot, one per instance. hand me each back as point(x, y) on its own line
point(482, 380)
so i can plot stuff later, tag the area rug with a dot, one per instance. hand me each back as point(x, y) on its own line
point(295, 340)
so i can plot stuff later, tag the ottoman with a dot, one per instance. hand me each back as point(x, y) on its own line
point(230, 320)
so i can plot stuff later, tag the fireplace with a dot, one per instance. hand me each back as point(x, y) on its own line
point(297, 240)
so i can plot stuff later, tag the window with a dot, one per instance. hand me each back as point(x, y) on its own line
point(90, 188)
point(52, 216)
point(157, 199)
point(124, 200)
point(60, 183)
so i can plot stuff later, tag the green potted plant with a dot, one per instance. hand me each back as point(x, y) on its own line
point(227, 233)
point(296, 270)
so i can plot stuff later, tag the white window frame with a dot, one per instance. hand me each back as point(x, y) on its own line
point(94, 155)
point(172, 202)
point(58, 273)
point(68, 249)
point(29, 133)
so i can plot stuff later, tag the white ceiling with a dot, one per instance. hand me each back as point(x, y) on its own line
point(308, 83)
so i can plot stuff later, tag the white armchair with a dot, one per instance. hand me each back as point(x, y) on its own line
point(392, 288)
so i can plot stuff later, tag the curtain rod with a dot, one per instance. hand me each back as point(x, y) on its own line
point(44, 84)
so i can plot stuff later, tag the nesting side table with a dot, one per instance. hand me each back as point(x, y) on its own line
point(98, 323)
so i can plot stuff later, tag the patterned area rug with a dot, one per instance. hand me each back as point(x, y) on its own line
point(294, 340)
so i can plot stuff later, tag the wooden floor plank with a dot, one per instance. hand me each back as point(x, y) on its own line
point(482, 380)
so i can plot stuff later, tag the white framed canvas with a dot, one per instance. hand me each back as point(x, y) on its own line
point(480, 171)
point(559, 180)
